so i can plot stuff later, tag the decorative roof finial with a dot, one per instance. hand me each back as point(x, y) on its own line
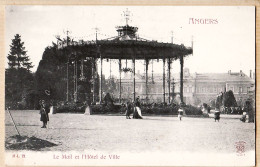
point(127, 15)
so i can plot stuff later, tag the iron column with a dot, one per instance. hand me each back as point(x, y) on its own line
point(119, 80)
point(181, 78)
point(101, 79)
point(169, 80)
point(146, 79)
point(163, 80)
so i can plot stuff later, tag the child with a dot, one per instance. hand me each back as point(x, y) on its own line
point(243, 119)
point(217, 115)
point(180, 113)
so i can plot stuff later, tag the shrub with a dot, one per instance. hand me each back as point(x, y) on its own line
point(70, 108)
point(160, 110)
point(118, 109)
point(101, 109)
point(191, 110)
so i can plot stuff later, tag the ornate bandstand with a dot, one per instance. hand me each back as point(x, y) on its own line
point(126, 46)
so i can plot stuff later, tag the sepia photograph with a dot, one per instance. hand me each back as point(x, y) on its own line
point(130, 85)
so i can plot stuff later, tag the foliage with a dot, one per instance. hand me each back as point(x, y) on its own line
point(229, 99)
point(51, 75)
point(213, 103)
point(17, 56)
point(107, 109)
point(70, 108)
point(226, 99)
point(191, 110)
point(156, 110)
point(109, 85)
point(18, 84)
point(160, 110)
point(19, 81)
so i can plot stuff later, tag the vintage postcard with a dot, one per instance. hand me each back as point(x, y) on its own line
point(130, 85)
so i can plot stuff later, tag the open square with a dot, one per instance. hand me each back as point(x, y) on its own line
point(80, 132)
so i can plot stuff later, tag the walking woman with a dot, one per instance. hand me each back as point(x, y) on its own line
point(137, 109)
point(44, 111)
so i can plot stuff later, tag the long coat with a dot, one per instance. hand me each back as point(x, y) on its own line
point(44, 114)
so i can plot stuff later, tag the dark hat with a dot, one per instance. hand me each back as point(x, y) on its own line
point(47, 92)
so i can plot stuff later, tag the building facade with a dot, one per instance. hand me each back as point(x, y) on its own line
point(198, 88)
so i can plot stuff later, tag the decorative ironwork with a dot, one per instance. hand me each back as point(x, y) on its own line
point(126, 45)
point(127, 70)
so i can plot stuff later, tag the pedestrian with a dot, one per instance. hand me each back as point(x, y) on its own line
point(137, 109)
point(129, 109)
point(180, 113)
point(248, 112)
point(217, 114)
point(243, 118)
point(44, 111)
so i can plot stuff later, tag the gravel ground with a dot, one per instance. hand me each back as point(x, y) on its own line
point(115, 133)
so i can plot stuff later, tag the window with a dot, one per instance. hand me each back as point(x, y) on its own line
point(190, 89)
point(248, 89)
point(231, 88)
point(240, 89)
point(185, 89)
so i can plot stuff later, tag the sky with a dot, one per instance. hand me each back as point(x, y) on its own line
point(227, 45)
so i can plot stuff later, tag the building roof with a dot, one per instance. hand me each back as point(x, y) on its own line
point(227, 77)
point(216, 77)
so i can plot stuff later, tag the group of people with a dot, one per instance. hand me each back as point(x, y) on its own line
point(135, 108)
point(247, 116)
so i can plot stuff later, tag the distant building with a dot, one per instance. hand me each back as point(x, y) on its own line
point(197, 87)
point(204, 87)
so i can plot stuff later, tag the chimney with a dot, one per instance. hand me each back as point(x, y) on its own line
point(250, 74)
point(229, 71)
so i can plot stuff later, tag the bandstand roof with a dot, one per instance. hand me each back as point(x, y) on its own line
point(127, 45)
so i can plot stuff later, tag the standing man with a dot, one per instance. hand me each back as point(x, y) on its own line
point(44, 111)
